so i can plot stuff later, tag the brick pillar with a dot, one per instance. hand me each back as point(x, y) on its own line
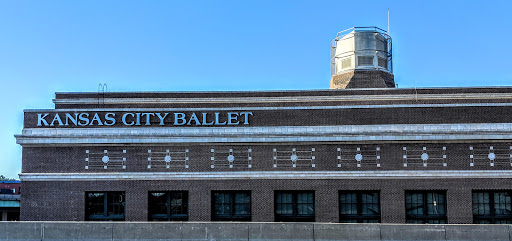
point(199, 204)
point(326, 206)
point(459, 205)
point(262, 205)
point(136, 205)
point(392, 205)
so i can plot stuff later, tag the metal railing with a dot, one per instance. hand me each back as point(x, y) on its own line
point(343, 33)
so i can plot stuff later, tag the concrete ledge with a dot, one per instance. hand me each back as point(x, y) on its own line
point(412, 232)
point(20, 231)
point(281, 231)
point(146, 231)
point(247, 231)
point(76, 230)
point(478, 232)
point(329, 231)
point(225, 231)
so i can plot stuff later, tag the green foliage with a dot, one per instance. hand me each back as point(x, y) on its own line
point(3, 178)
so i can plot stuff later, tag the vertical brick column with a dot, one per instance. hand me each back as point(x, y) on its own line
point(459, 205)
point(136, 204)
point(392, 203)
point(326, 205)
point(199, 204)
point(77, 211)
point(262, 202)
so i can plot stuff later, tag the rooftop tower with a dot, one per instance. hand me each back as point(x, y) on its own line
point(361, 57)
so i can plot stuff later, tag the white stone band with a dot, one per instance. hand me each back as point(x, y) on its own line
point(373, 133)
point(301, 99)
point(269, 108)
point(259, 175)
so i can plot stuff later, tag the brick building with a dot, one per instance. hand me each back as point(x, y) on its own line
point(10, 200)
point(390, 155)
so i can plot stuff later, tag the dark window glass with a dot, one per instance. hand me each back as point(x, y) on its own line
point(7, 191)
point(231, 205)
point(12, 216)
point(365, 60)
point(104, 206)
point(492, 207)
point(359, 207)
point(294, 206)
point(425, 207)
point(168, 206)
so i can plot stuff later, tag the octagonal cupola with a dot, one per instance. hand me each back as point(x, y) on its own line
point(361, 57)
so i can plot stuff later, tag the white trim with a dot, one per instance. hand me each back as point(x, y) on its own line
point(265, 175)
point(250, 108)
point(374, 133)
point(112, 101)
point(295, 90)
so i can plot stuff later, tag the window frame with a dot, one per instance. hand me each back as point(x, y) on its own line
point(359, 217)
point(382, 60)
point(346, 63)
point(492, 208)
point(105, 216)
point(232, 216)
point(169, 215)
point(294, 217)
point(426, 217)
point(361, 60)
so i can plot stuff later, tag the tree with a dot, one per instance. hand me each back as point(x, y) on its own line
point(3, 178)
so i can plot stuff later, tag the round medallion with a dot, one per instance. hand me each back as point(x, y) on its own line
point(424, 156)
point(359, 157)
point(167, 158)
point(294, 157)
point(105, 159)
point(231, 158)
point(491, 156)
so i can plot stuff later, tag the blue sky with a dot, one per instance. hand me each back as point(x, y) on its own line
point(52, 46)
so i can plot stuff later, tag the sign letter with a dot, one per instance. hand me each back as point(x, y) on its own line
point(124, 119)
point(217, 123)
point(148, 117)
point(40, 119)
point(233, 116)
point(83, 117)
point(108, 118)
point(246, 114)
point(161, 118)
point(181, 117)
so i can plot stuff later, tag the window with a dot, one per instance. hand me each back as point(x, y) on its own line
point(383, 62)
point(346, 63)
point(7, 191)
point(104, 206)
point(365, 61)
point(168, 206)
point(492, 207)
point(231, 206)
point(425, 207)
point(359, 207)
point(382, 45)
point(294, 206)
point(12, 216)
